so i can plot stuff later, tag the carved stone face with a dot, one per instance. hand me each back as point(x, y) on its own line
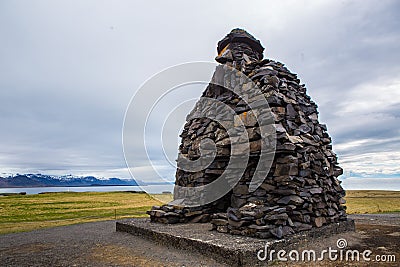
point(237, 43)
point(238, 52)
point(239, 49)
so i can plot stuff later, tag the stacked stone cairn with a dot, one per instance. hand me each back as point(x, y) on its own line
point(300, 189)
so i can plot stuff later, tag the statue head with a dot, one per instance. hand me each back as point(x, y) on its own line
point(239, 46)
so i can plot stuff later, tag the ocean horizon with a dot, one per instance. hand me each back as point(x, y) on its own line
point(390, 184)
point(151, 189)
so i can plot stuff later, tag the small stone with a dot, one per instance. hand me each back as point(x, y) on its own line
point(237, 224)
point(305, 173)
point(263, 235)
point(193, 213)
point(280, 210)
point(281, 216)
point(295, 139)
point(261, 228)
point(281, 169)
point(246, 118)
point(284, 192)
point(222, 228)
point(233, 214)
point(290, 111)
point(156, 213)
point(172, 214)
point(203, 218)
point(331, 212)
point(316, 190)
point(304, 128)
point(237, 201)
point(301, 226)
point(268, 209)
point(313, 117)
point(279, 128)
point(172, 219)
point(260, 221)
point(277, 232)
point(292, 199)
point(219, 222)
point(285, 147)
point(240, 190)
point(267, 187)
point(287, 230)
point(319, 221)
point(290, 222)
point(255, 146)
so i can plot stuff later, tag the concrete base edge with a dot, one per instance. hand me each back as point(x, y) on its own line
point(230, 249)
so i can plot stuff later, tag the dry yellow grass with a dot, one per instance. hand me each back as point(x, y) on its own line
point(372, 201)
point(29, 212)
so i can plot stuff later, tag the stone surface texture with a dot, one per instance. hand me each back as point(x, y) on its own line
point(300, 191)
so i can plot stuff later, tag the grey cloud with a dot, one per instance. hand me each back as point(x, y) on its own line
point(69, 69)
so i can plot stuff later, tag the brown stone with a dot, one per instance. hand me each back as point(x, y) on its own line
point(319, 221)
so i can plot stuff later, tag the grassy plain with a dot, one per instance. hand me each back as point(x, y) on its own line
point(29, 212)
point(372, 201)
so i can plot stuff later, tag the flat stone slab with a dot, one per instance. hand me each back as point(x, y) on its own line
point(235, 250)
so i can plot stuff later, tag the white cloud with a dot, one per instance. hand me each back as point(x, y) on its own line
point(68, 70)
point(378, 163)
point(378, 183)
point(369, 98)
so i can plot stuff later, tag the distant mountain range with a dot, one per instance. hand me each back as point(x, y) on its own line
point(42, 180)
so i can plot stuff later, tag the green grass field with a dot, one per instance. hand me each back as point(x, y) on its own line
point(372, 201)
point(29, 212)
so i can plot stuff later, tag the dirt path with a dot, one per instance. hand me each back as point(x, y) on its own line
point(97, 244)
point(379, 233)
point(90, 244)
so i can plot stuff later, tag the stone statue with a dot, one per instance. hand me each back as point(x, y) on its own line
point(281, 142)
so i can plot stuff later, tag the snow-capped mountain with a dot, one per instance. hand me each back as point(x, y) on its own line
point(42, 180)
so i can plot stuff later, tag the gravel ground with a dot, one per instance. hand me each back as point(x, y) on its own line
point(379, 219)
point(98, 244)
point(90, 244)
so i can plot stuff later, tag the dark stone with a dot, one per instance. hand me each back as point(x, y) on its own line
point(219, 222)
point(299, 192)
point(292, 199)
point(304, 128)
point(287, 230)
point(302, 226)
point(290, 111)
point(262, 228)
point(201, 218)
point(316, 190)
point(281, 216)
point(277, 232)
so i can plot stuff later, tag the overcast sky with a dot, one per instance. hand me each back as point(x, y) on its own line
point(68, 70)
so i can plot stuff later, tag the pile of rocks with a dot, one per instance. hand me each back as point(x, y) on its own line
point(300, 189)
